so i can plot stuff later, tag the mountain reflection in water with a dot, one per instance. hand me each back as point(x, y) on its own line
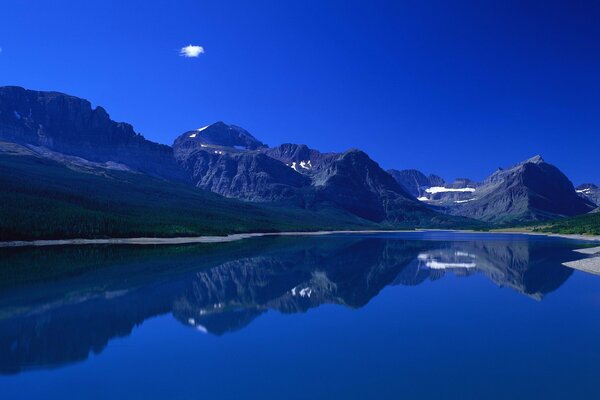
point(59, 304)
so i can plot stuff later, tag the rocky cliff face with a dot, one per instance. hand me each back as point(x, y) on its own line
point(249, 176)
point(69, 125)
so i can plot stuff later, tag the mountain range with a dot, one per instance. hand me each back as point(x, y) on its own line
point(532, 190)
point(70, 171)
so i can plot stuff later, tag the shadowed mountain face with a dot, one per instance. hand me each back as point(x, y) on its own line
point(532, 190)
point(59, 304)
point(70, 126)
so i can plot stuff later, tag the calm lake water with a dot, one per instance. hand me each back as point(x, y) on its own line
point(428, 315)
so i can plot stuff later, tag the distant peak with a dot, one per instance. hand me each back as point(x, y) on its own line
point(534, 160)
point(222, 134)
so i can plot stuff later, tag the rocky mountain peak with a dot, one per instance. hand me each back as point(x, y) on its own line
point(221, 134)
point(537, 159)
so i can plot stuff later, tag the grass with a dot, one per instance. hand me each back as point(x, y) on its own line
point(588, 224)
point(41, 199)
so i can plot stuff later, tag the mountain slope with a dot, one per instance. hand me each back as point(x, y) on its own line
point(295, 175)
point(356, 183)
point(68, 125)
point(532, 190)
point(42, 198)
point(529, 191)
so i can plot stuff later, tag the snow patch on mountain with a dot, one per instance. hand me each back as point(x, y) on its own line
point(305, 292)
point(306, 164)
point(301, 164)
point(441, 189)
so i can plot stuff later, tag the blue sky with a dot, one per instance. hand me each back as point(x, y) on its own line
point(453, 88)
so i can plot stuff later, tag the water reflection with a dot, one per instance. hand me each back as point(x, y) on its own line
point(59, 304)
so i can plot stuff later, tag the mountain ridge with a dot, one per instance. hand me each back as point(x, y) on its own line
point(229, 161)
point(530, 190)
point(69, 125)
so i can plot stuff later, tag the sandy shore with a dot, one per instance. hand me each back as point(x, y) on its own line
point(178, 240)
point(590, 264)
point(241, 236)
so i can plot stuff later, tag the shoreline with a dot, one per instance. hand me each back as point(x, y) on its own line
point(241, 236)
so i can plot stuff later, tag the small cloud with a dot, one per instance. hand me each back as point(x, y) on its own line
point(191, 51)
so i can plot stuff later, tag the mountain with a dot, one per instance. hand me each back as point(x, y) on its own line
point(42, 198)
point(590, 192)
point(532, 190)
point(221, 134)
point(251, 176)
point(356, 183)
point(529, 191)
point(69, 171)
point(52, 121)
point(54, 133)
point(294, 174)
point(415, 182)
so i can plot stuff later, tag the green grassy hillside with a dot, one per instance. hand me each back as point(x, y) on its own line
point(582, 224)
point(41, 198)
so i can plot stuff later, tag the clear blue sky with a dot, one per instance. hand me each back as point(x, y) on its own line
point(449, 87)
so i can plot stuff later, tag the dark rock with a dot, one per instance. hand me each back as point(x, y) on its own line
point(69, 125)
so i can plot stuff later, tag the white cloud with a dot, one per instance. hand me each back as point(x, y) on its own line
point(191, 51)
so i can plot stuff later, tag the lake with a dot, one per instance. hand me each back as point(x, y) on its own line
point(423, 315)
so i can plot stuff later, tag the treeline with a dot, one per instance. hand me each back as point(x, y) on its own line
point(41, 199)
point(588, 224)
